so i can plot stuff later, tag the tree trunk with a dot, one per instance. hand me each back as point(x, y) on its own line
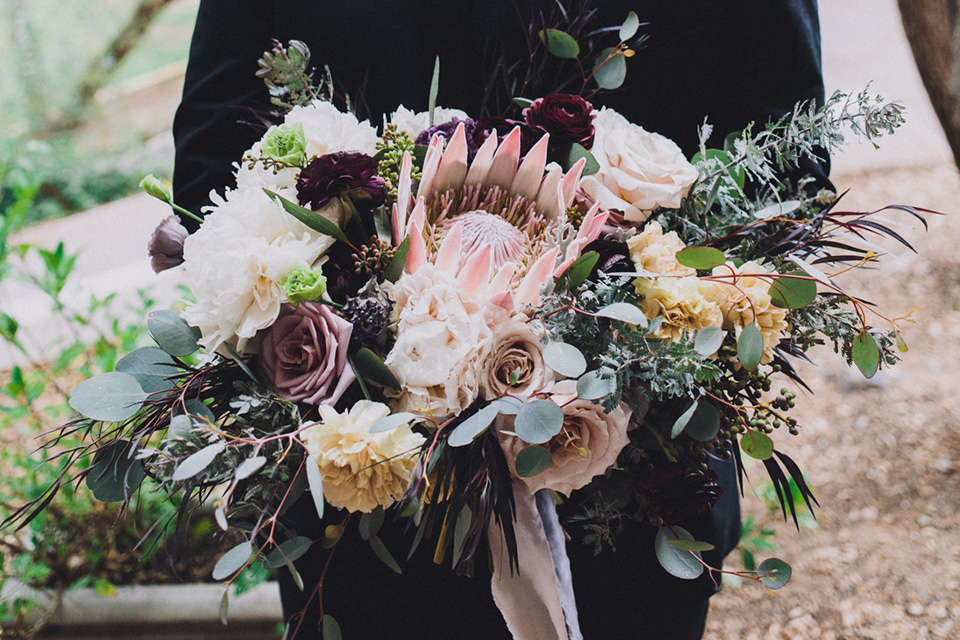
point(933, 29)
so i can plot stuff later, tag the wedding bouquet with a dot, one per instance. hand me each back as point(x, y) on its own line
point(462, 322)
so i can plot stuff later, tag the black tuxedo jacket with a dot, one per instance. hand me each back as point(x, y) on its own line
point(733, 61)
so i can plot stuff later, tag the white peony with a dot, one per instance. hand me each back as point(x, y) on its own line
point(233, 265)
point(413, 123)
point(442, 340)
point(361, 470)
point(639, 170)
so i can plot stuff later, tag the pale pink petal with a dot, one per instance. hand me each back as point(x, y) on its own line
point(570, 182)
point(505, 162)
point(403, 199)
point(475, 274)
point(417, 255)
point(501, 281)
point(431, 164)
point(504, 300)
point(453, 166)
point(448, 257)
point(539, 274)
point(548, 199)
point(480, 166)
point(530, 173)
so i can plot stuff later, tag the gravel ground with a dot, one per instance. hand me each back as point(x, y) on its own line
point(883, 456)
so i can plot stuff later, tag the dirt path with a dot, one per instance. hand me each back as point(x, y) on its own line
point(883, 456)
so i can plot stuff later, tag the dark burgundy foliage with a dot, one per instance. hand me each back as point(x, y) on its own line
point(674, 492)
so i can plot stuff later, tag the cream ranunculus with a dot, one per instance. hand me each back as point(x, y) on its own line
point(639, 170)
point(234, 264)
point(680, 302)
point(443, 338)
point(655, 251)
point(516, 349)
point(587, 445)
point(361, 470)
point(744, 298)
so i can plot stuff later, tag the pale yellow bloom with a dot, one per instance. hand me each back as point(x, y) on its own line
point(744, 299)
point(680, 302)
point(655, 251)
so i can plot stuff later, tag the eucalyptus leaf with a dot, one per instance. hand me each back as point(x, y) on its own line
point(704, 424)
point(198, 461)
point(629, 27)
point(591, 386)
point(866, 354)
point(578, 272)
point(460, 532)
point(221, 517)
point(539, 421)
point(508, 405)
point(708, 341)
point(151, 367)
point(793, 290)
point(232, 561)
point(224, 605)
point(114, 476)
point(465, 432)
point(624, 312)
point(532, 461)
point(778, 209)
point(565, 359)
point(249, 467)
point(331, 629)
point(310, 218)
point(370, 523)
point(578, 152)
point(774, 573)
point(180, 427)
point(172, 333)
point(681, 422)
point(288, 551)
point(756, 445)
point(750, 347)
point(611, 69)
point(371, 367)
point(111, 397)
point(392, 421)
point(197, 411)
point(559, 43)
point(690, 545)
point(677, 562)
point(701, 258)
point(315, 480)
point(378, 548)
point(395, 269)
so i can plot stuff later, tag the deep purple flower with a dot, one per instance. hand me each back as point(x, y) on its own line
point(344, 173)
point(303, 356)
point(567, 118)
point(446, 130)
point(501, 127)
point(674, 492)
point(166, 244)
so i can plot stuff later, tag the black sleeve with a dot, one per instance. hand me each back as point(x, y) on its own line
point(221, 93)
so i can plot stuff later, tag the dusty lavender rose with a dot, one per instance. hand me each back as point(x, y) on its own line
point(338, 174)
point(303, 356)
point(516, 351)
point(166, 244)
point(566, 117)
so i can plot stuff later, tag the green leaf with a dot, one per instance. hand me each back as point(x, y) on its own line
point(392, 421)
point(774, 573)
point(111, 397)
point(610, 72)
point(591, 386)
point(624, 312)
point(371, 367)
point(172, 333)
point(560, 43)
point(370, 523)
point(224, 605)
point(778, 209)
point(791, 291)
point(508, 405)
point(704, 424)
point(708, 341)
point(866, 354)
point(287, 552)
point(756, 445)
point(576, 152)
point(750, 347)
point(539, 421)
point(731, 181)
point(115, 474)
point(565, 359)
point(629, 27)
point(901, 344)
point(578, 272)
point(232, 561)
point(690, 545)
point(315, 481)
point(313, 220)
point(460, 531)
point(532, 461)
point(434, 90)
point(198, 461)
point(180, 427)
point(151, 367)
point(464, 433)
point(331, 630)
point(523, 103)
point(395, 269)
point(681, 422)
point(221, 517)
point(678, 563)
point(249, 467)
point(701, 258)
point(378, 548)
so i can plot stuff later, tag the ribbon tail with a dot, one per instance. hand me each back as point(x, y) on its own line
point(547, 508)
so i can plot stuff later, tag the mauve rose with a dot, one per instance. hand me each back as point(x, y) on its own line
point(166, 244)
point(337, 174)
point(303, 356)
point(567, 118)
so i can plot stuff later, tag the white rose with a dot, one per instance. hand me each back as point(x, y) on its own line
point(442, 339)
point(639, 170)
point(361, 470)
point(413, 123)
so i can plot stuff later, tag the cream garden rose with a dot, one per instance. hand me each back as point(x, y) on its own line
point(639, 170)
point(361, 470)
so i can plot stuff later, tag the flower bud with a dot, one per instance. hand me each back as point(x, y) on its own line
point(155, 187)
point(304, 285)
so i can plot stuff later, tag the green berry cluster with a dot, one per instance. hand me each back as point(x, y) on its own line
point(390, 149)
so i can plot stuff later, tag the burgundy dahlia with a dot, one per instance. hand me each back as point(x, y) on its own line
point(344, 173)
point(567, 118)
